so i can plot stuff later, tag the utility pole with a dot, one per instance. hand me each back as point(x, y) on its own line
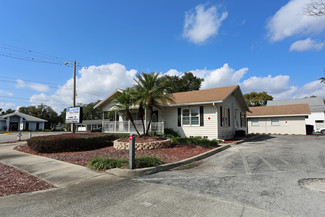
point(74, 92)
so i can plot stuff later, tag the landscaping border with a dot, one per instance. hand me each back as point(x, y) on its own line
point(150, 170)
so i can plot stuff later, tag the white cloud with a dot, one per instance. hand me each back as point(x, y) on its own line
point(314, 88)
point(94, 82)
point(223, 76)
point(35, 86)
point(6, 105)
point(291, 19)
point(7, 93)
point(173, 72)
point(202, 23)
point(307, 44)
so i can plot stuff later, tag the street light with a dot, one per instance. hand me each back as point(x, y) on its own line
point(74, 90)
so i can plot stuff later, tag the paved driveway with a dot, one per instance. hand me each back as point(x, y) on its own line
point(262, 173)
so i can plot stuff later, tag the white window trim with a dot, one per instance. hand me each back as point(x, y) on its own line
point(190, 116)
point(255, 123)
point(275, 123)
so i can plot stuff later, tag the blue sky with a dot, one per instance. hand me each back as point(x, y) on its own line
point(261, 45)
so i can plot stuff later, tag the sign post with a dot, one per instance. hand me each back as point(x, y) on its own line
point(132, 152)
point(73, 116)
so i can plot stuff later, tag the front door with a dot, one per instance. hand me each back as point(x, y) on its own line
point(155, 116)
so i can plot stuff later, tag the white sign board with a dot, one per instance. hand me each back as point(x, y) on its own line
point(73, 115)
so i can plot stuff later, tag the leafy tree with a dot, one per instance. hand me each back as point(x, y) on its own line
point(44, 112)
point(322, 79)
point(316, 8)
point(123, 103)
point(151, 91)
point(257, 99)
point(89, 113)
point(8, 111)
point(187, 82)
point(1, 111)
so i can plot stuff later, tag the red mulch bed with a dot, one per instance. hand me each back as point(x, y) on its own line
point(172, 154)
point(14, 181)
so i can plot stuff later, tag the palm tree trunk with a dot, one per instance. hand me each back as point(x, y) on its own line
point(150, 119)
point(141, 114)
point(128, 113)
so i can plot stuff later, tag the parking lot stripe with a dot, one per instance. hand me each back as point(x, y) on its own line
point(267, 163)
point(246, 168)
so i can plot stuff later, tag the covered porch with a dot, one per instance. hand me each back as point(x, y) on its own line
point(127, 127)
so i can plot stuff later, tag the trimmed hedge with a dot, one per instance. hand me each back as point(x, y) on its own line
point(72, 142)
point(196, 141)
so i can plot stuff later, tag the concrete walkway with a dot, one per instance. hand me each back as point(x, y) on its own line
point(56, 172)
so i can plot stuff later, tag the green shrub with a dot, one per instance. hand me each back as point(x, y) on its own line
point(169, 132)
point(71, 142)
point(196, 141)
point(102, 163)
point(147, 161)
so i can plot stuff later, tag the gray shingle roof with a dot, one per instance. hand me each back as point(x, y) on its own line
point(316, 103)
point(25, 116)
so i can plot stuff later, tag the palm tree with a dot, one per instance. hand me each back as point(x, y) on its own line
point(123, 103)
point(151, 93)
point(322, 80)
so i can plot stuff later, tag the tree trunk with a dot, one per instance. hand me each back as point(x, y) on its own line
point(150, 119)
point(128, 113)
point(141, 114)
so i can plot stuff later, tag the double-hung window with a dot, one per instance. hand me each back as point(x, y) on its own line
point(275, 122)
point(191, 116)
point(255, 122)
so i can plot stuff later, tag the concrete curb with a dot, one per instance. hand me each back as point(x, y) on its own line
point(150, 170)
point(245, 140)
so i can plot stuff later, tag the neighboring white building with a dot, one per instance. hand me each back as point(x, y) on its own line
point(317, 109)
point(212, 113)
point(282, 119)
point(19, 121)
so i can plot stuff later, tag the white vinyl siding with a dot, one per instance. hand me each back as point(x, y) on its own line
point(286, 125)
point(209, 117)
point(236, 122)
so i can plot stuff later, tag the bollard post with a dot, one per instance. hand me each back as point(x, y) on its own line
point(132, 152)
point(30, 135)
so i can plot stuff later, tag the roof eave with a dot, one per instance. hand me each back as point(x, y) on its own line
point(193, 103)
point(99, 105)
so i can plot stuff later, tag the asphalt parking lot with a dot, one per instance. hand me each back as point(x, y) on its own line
point(266, 173)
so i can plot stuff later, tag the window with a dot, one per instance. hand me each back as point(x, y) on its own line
point(255, 122)
point(275, 122)
point(191, 116)
point(224, 116)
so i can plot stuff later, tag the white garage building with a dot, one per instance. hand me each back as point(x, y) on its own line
point(317, 109)
point(281, 119)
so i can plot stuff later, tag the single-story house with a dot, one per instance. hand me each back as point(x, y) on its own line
point(212, 113)
point(280, 119)
point(19, 121)
point(317, 109)
point(89, 125)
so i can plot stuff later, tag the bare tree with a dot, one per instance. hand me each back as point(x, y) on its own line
point(316, 8)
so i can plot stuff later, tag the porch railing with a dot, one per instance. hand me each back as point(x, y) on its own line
point(127, 127)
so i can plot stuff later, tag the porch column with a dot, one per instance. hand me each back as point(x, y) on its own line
point(21, 121)
point(8, 123)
